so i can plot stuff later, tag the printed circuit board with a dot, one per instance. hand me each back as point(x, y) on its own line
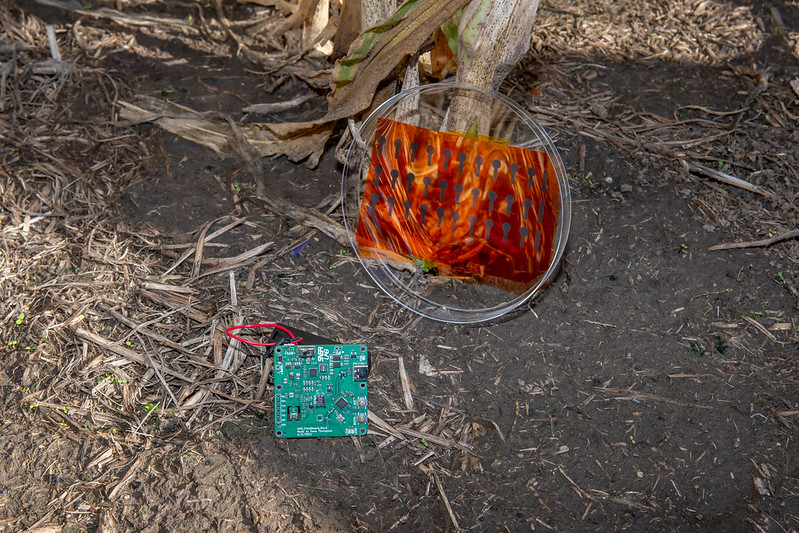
point(321, 391)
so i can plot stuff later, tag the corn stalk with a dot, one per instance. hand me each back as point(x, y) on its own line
point(493, 36)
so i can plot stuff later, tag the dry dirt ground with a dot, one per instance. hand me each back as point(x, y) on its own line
point(653, 386)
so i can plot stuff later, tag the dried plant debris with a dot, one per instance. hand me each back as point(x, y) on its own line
point(698, 31)
point(117, 378)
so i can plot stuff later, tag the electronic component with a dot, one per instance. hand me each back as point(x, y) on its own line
point(312, 401)
point(306, 351)
point(360, 372)
point(320, 400)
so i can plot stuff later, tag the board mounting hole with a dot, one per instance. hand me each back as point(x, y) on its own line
point(363, 385)
point(279, 433)
point(278, 350)
point(279, 387)
point(363, 348)
point(363, 431)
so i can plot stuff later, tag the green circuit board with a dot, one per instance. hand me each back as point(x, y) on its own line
point(321, 391)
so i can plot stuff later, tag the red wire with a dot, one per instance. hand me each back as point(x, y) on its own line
point(253, 343)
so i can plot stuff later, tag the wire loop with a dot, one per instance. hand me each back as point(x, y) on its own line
point(292, 338)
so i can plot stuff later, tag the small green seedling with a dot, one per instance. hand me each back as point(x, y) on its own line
point(20, 319)
point(424, 265)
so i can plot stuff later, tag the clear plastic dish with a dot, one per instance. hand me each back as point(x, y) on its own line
point(456, 202)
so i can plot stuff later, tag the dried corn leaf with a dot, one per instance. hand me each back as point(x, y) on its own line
point(378, 51)
point(372, 58)
point(349, 27)
point(442, 59)
point(216, 134)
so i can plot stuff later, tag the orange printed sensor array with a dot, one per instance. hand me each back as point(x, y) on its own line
point(459, 205)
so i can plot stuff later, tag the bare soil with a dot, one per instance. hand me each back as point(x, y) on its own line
point(652, 386)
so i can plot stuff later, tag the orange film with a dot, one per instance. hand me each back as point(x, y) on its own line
point(459, 206)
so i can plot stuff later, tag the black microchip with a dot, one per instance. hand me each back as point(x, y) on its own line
point(312, 372)
point(336, 364)
point(336, 358)
point(360, 372)
point(320, 400)
point(323, 368)
point(306, 351)
point(341, 403)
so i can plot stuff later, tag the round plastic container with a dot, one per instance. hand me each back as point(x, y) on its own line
point(456, 202)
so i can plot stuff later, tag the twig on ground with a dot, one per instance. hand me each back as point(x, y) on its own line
point(126, 353)
point(224, 418)
point(127, 478)
point(760, 327)
point(385, 426)
point(159, 373)
point(754, 244)
point(726, 178)
point(446, 501)
point(629, 394)
point(406, 385)
point(265, 370)
point(135, 19)
point(277, 107)
point(407, 515)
